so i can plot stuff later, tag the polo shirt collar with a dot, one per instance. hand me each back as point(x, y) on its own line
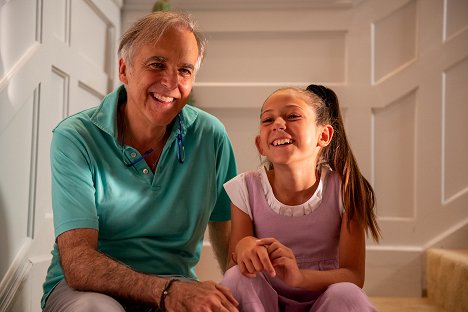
point(105, 116)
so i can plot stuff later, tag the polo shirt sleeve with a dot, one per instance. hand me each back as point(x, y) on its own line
point(73, 190)
point(226, 169)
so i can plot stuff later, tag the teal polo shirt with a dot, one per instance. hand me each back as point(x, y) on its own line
point(153, 223)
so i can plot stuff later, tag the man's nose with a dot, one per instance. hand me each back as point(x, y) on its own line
point(170, 79)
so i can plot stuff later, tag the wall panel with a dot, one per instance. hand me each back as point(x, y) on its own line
point(394, 157)
point(455, 17)
point(395, 41)
point(455, 131)
point(252, 57)
point(19, 31)
point(17, 140)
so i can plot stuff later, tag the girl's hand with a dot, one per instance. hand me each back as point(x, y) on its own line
point(283, 260)
point(252, 258)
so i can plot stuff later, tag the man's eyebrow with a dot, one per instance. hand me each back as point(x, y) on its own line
point(156, 58)
point(188, 65)
point(162, 59)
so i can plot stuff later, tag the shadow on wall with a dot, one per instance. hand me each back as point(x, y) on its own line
point(4, 241)
point(2, 69)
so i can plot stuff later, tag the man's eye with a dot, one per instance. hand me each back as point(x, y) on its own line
point(293, 116)
point(267, 120)
point(156, 65)
point(185, 72)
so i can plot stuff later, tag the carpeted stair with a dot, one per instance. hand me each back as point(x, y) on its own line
point(447, 278)
point(447, 285)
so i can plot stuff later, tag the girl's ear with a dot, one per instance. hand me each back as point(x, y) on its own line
point(325, 136)
point(123, 71)
point(257, 144)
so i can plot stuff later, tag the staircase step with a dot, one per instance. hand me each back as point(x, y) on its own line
point(405, 304)
point(447, 278)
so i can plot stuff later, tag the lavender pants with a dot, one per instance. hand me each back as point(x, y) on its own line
point(265, 294)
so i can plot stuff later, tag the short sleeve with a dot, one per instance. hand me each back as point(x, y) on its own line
point(226, 169)
point(237, 191)
point(72, 186)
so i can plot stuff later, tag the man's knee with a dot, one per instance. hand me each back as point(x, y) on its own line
point(65, 299)
point(95, 302)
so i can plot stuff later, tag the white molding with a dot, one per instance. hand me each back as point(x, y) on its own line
point(33, 162)
point(20, 63)
point(15, 275)
point(118, 3)
point(447, 234)
point(378, 248)
point(202, 5)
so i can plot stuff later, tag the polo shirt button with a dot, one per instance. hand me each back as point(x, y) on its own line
point(145, 171)
point(133, 154)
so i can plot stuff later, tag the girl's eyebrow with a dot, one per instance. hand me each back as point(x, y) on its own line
point(287, 105)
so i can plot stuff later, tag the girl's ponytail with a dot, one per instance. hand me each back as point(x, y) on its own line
point(358, 195)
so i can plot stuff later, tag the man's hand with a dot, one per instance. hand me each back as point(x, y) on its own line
point(204, 296)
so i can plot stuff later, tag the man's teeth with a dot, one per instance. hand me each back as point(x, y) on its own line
point(282, 142)
point(163, 98)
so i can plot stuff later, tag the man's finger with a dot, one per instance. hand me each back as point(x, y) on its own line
point(228, 294)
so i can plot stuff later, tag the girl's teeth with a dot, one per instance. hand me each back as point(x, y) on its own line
point(281, 142)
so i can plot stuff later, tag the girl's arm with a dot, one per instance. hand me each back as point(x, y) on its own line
point(351, 269)
point(243, 249)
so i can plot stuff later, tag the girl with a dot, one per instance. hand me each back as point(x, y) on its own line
point(299, 224)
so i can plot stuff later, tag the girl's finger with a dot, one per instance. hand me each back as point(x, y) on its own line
point(265, 259)
point(265, 241)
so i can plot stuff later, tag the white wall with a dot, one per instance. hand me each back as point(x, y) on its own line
point(56, 57)
point(399, 67)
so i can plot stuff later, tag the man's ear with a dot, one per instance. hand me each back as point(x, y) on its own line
point(326, 136)
point(257, 144)
point(123, 68)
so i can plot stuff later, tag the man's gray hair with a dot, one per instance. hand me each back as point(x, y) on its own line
point(152, 27)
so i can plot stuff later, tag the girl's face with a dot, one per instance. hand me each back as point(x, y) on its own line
point(288, 130)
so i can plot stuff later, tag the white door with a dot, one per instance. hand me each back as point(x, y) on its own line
point(56, 57)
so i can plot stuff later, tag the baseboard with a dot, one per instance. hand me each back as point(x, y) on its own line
point(16, 274)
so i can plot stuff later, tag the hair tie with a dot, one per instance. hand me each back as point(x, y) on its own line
point(327, 96)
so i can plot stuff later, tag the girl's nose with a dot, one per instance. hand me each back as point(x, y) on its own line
point(279, 124)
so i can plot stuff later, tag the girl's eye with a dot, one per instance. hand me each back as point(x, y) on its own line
point(267, 120)
point(293, 116)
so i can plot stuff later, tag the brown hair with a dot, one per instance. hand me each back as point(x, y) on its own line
point(357, 193)
point(152, 27)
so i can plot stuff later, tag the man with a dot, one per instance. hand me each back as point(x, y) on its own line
point(135, 182)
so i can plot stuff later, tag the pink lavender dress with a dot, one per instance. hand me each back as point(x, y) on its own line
point(311, 230)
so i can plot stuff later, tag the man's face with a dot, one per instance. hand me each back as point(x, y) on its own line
point(159, 82)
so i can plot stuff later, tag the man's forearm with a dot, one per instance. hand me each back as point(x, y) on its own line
point(87, 269)
point(90, 270)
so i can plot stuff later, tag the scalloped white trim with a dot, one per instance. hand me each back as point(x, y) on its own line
point(298, 210)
